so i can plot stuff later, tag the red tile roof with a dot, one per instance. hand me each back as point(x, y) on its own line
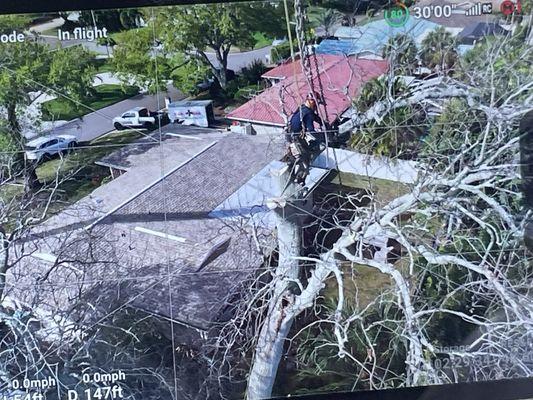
point(284, 70)
point(342, 78)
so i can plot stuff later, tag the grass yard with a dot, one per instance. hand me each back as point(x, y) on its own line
point(78, 172)
point(50, 32)
point(362, 284)
point(65, 110)
point(85, 156)
point(384, 190)
point(8, 192)
point(103, 66)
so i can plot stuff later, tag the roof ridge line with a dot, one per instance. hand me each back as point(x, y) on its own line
point(151, 185)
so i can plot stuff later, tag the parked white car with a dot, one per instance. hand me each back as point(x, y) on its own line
point(46, 147)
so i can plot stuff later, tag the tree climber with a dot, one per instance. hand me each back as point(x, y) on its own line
point(304, 141)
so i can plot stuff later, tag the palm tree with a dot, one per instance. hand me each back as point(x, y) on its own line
point(402, 53)
point(397, 134)
point(439, 50)
point(328, 19)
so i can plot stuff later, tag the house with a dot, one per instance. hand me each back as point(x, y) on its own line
point(479, 30)
point(175, 241)
point(340, 77)
point(177, 250)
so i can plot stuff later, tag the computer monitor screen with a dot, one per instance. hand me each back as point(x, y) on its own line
point(264, 198)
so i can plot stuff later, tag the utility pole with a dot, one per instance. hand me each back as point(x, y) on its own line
point(94, 19)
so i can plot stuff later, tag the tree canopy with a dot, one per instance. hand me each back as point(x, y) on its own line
point(31, 67)
point(217, 28)
point(401, 51)
point(137, 59)
point(439, 50)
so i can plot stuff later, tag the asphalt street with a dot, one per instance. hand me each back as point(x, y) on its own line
point(100, 122)
point(237, 61)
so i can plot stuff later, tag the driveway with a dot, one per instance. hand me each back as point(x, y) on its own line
point(100, 122)
point(101, 51)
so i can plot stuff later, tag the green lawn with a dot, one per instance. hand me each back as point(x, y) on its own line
point(106, 95)
point(50, 32)
point(103, 66)
point(78, 172)
point(384, 190)
point(8, 192)
point(85, 156)
point(362, 284)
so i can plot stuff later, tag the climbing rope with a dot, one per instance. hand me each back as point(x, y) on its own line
point(308, 69)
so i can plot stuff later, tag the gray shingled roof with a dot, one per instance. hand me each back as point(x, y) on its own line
point(187, 280)
point(179, 205)
point(479, 30)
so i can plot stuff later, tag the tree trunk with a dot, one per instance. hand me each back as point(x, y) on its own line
point(222, 79)
point(219, 71)
point(223, 70)
point(31, 181)
point(13, 124)
point(278, 322)
point(268, 355)
point(4, 260)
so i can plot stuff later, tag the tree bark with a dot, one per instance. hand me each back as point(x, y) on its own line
point(4, 260)
point(279, 319)
point(219, 73)
point(12, 121)
point(223, 70)
point(31, 181)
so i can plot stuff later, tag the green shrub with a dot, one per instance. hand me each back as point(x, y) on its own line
point(281, 52)
point(245, 93)
point(253, 72)
point(8, 155)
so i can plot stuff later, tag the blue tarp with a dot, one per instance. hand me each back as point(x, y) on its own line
point(373, 36)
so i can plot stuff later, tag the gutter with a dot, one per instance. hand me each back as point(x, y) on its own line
point(251, 121)
point(107, 165)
